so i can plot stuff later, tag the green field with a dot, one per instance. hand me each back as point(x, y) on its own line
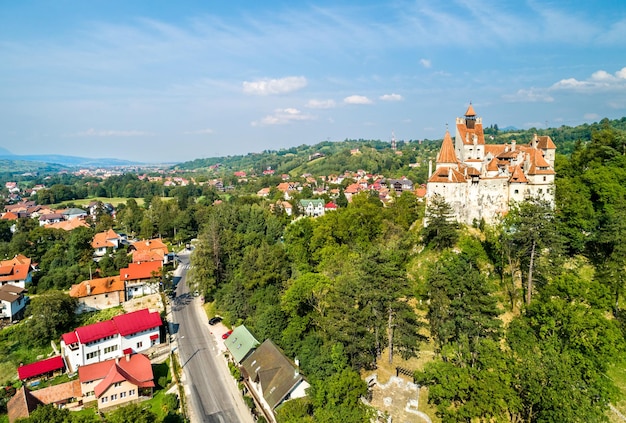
point(85, 201)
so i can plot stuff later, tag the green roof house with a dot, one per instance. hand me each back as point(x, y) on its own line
point(312, 208)
point(240, 343)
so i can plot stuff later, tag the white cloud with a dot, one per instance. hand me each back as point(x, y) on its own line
point(532, 95)
point(391, 97)
point(426, 63)
point(274, 86)
point(282, 117)
point(357, 99)
point(111, 133)
point(599, 81)
point(320, 104)
point(206, 131)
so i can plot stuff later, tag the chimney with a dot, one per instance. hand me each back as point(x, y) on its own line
point(512, 145)
point(430, 168)
point(450, 174)
point(88, 288)
point(117, 360)
point(127, 357)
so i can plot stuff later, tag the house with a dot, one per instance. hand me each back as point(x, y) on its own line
point(263, 192)
point(103, 240)
point(26, 401)
point(150, 246)
point(400, 185)
point(12, 302)
point(49, 218)
point(126, 333)
point(272, 378)
point(480, 181)
point(74, 213)
point(287, 188)
point(118, 381)
point(49, 366)
point(141, 278)
point(22, 404)
point(330, 206)
point(240, 343)
point(99, 294)
point(68, 225)
point(17, 271)
point(312, 208)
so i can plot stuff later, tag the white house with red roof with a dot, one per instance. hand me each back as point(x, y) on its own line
point(17, 271)
point(480, 181)
point(141, 278)
point(118, 381)
point(104, 240)
point(124, 334)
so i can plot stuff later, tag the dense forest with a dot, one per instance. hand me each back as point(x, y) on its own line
point(524, 317)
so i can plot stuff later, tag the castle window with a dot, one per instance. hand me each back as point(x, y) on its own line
point(516, 191)
point(540, 191)
point(544, 179)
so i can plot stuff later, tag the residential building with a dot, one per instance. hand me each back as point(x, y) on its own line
point(240, 343)
point(117, 382)
point(103, 241)
point(126, 333)
point(312, 207)
point(99, 294)
point(148, 250)
point(272, 377)
point(12, 302)
point(142, 278)
point(68, 225)
point(17, 271)
point(480, 180)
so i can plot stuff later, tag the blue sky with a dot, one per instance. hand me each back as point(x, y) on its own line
point(159, 81)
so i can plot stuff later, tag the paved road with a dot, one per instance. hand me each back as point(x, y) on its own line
point(212, 393)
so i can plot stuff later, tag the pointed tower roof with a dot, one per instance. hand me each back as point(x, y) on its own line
point(447, 154)
point(470, 111)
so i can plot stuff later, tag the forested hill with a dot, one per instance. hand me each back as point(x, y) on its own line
point(376, 156)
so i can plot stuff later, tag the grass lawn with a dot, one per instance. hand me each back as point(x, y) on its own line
point(14, 352)
point(85, 201)
point(618, 374)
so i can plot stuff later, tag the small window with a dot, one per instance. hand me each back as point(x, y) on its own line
point(544, 179)
point(516, 191)
point(139, 344)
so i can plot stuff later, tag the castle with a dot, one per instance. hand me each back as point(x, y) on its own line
point(480, 180)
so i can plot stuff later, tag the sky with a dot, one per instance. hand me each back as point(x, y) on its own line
point(163, 81)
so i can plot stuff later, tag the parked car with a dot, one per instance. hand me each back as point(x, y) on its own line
point(227, 334)
point(214, 320)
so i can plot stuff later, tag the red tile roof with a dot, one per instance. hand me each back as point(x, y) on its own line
point(40, 367)
point(15, 269)
point(97, 286)
point(9, 216)
point(447, 174)
point(102, 239)
point(139, 271)
point(137, 321)
point(470, 111)
point(134, 368)
point(149, 245)
point(447, 154)
point(69, 338)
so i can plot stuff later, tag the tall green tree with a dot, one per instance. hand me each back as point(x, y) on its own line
point(530, 225)
point(441, 229)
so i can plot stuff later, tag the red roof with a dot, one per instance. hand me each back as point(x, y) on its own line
point(40, 367)
point(96, 331)
point(137, 321)
point(124, 324)
point(133, 368)
point(143, 270)
point(70, 338)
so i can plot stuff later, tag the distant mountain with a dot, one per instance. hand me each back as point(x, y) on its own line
point(72, 161)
